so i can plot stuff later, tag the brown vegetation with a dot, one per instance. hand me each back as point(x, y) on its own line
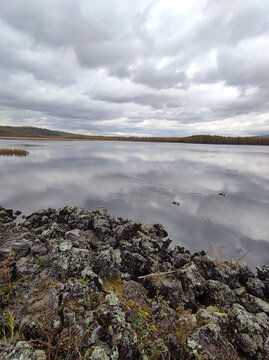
point(13, 152)
point(222, 259)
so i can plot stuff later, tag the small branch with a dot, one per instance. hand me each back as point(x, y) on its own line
point(157, 274)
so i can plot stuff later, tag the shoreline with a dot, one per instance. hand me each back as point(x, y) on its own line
point(230, 141)
point(100, 286)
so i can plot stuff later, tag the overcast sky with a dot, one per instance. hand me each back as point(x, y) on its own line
point(144, 67)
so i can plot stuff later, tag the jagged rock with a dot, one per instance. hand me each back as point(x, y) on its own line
point(20, 249)
point(74, 290)
point(266, 290)
point(6, 215)
point(210, 314)
point(94, 281)
point(166, 319)
point(263, 272)
point(101, 226)
point(179, 250)
point(232, 274)
point(155, 307)
point(24, 351)
point(102, 210)
point(208, 342)
point(26, 266)
point(69, 281)
point(254, 304)
point(135, 263)
point(136, 292)
point(168, 288)
point(75, 236)
point(102, 352)
point(179, 260)
point(38, 249)
point(249, 332)
point(255, 287)
point(219, 294)
point(172, 291)
point(108, 263)
point(157, 349)
point(118, 328)
point(240, 291)
point(194, 285)
point(65, 246)
point(83, 239)
point(207, 266)
point(244, 272)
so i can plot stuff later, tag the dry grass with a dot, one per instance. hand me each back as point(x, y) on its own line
point(222, 258)
point(13, 152)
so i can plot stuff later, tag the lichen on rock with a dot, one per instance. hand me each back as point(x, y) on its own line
point(76, 284)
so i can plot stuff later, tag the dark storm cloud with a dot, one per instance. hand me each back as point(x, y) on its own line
point(149, 67)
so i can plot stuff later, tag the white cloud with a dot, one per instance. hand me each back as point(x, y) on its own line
point(144, 68)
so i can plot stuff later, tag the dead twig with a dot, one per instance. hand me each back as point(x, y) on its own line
point(157, 274)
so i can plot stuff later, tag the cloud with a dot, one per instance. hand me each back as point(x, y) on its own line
point(143, 68)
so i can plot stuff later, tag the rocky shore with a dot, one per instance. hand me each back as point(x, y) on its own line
point(76, 284)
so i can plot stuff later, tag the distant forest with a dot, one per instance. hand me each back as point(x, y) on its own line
point(28, 131)
point(33, 132)
point(208, 139)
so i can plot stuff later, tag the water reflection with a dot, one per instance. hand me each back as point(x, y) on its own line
point(140, 181)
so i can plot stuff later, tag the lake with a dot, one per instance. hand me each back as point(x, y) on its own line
point(141, 180)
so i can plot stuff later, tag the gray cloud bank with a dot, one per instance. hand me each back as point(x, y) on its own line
point(136, 68)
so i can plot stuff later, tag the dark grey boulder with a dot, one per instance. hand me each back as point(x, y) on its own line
point(249, 332)
point(219, 294)
point(255, 287)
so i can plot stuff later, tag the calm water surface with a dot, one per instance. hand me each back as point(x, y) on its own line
point(141, 180)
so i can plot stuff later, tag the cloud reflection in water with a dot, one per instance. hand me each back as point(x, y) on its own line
point(140, 181)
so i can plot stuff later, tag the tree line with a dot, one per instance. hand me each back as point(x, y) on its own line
point(10, 131)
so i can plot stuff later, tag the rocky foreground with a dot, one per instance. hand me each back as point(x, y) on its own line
point(74, 285)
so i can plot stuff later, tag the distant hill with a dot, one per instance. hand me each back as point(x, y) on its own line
point(33, 132)
point(28, 131)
